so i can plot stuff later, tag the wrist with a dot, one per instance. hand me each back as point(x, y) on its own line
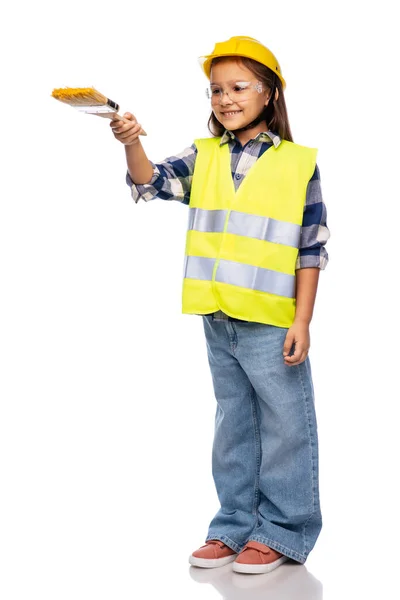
point(134, 143)
point(302, 320)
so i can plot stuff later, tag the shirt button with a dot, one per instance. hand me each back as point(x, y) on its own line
point(237, 176)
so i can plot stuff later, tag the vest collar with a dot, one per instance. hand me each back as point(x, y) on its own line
point(264, 136)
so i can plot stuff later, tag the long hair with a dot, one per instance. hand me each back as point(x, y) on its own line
point(277, 120)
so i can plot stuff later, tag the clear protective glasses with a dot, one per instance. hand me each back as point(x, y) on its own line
point(237, 91)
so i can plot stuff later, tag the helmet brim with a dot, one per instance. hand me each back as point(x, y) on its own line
point(205, 63)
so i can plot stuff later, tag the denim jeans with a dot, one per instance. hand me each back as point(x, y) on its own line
point(265, 449)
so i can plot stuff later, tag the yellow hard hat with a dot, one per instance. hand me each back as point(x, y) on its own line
point(241, 45)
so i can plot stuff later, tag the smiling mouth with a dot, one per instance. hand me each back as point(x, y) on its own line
point(231, 113)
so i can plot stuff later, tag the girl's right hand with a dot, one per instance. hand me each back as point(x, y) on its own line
point(127, 130)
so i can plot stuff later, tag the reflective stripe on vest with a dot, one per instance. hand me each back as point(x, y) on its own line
point(240, 223)
point(246, 276)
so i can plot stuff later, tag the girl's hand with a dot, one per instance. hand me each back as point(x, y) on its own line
point(127, 130)
point(299, 335)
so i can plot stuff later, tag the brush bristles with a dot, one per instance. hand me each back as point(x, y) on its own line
point(79, 96)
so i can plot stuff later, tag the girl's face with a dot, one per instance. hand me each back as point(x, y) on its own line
point(247, 102)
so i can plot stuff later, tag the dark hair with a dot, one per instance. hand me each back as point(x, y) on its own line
point(279, 121)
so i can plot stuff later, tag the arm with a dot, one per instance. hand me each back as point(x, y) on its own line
point(311, 260)
point(170, 179)
point(314, 230)
point(306, 291)
point(299, 333)
point(126, 131)
point(140, 168)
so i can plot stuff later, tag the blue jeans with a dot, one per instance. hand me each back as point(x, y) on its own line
point(265, 450)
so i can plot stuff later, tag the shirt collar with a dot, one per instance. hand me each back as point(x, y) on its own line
point(264, 136)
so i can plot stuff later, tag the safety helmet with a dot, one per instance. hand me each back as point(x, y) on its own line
point(241, 45)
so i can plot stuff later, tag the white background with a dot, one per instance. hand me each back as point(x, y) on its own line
point(107, 405)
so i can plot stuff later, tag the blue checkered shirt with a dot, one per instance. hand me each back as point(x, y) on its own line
point(172, 180)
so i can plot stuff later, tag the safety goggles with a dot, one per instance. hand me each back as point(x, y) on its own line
point(237, 91)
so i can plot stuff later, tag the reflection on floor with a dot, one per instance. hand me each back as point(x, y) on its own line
point(289, 581)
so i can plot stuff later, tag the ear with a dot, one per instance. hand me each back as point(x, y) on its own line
point(276, 97)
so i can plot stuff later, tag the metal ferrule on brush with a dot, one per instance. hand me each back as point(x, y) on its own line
point(99, 108)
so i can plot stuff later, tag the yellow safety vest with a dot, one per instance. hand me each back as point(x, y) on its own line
point(242, 246)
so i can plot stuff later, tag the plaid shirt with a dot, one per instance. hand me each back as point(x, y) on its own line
point(172, 180)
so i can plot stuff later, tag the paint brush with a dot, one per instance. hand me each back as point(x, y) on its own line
point(90, 101)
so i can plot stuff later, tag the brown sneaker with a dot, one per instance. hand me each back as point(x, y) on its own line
point(214, 554)
point(258, 558)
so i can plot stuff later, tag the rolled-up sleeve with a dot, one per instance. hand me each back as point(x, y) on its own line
point(171, 180)
point(314, 230)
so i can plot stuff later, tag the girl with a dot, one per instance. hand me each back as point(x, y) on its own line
point(255, 245)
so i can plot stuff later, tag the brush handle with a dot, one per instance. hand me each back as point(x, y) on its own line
point(112, 115)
